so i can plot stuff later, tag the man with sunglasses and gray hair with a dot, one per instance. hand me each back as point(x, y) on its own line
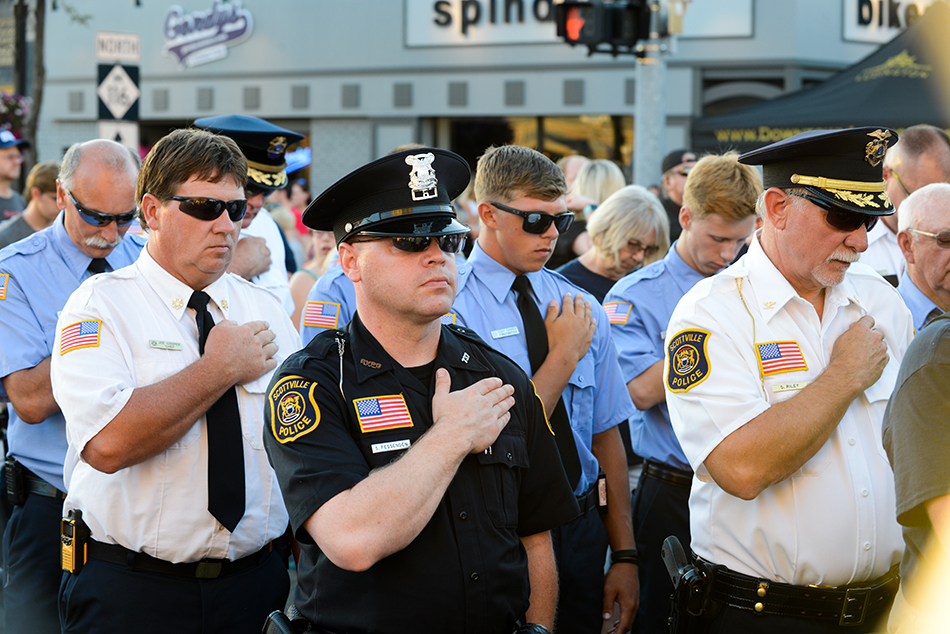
point(96, 191)
point(778, 371)
point(421, 477)
point(504, 290)
point(160, 369)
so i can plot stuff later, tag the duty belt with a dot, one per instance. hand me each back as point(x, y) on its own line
point(848, 605)
point(39, 486)
point(666, 473)
point(204, 569)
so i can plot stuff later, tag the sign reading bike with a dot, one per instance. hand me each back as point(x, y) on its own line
point(118, 92)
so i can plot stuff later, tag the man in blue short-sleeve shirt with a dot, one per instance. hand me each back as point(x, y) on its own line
point(717, 217)
point(522, 209)
point(37, 276)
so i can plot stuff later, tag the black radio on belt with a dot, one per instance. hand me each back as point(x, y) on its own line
point(75, 537)
point(15, 487)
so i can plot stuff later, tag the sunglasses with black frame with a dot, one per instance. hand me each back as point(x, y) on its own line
point(452, 243)
point(537, 222)
point(841, 219)
point(97, 218)
point(204, 208)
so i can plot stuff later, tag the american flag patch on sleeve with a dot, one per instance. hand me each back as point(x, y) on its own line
point(82, 334)
point(382, 412)
point(780, 356)
point(617, 312)
point(323, 314)
point(4, 278)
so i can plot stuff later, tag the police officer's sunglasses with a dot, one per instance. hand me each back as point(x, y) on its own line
point(99, 219)
point(417, 244)
point(204, 208)
point(537, 222)
point(841, 219)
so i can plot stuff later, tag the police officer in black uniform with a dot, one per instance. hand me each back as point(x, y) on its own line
point(416, 463)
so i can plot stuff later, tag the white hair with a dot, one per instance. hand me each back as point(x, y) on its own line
point(930, 196)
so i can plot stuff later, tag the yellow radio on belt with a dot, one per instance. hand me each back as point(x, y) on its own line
point(75, 537)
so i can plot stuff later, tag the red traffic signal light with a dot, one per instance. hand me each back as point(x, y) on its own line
point(580, 22)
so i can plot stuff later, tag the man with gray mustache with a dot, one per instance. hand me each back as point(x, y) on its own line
point(96, 193)
point(778, 372)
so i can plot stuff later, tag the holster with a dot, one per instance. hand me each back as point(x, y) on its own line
point(692, 585)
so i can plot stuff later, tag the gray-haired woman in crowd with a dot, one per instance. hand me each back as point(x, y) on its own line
point(628, 230)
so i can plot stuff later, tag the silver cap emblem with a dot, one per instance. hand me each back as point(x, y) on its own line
point(422, 180)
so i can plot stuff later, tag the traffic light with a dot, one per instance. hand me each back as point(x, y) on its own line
point(580, 22)
point(618, 24)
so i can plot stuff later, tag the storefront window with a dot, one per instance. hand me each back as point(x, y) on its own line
point(594, 136)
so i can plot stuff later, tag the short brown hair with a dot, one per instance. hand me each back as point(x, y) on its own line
point(511, 171)
point(43, 176)
point(719, 184)
point(185, 154)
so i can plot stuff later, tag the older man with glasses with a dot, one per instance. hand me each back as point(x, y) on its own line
point(924, 239)
point(777, 373)
point(921, 157)
point(161, 369)
point(37, 276)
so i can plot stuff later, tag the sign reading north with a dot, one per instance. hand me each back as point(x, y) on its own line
point(200, 37)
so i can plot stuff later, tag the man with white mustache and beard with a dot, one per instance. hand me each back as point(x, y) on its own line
point(778, 371)
point(96, 191)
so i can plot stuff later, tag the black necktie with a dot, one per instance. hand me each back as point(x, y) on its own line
point(98, 265)
point(537, 338)
point(225, 447)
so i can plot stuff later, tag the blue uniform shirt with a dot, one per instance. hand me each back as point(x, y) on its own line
point(596, 397)
point(331, 303)
point(37, 276)
point(645, 300)
point(919, 304)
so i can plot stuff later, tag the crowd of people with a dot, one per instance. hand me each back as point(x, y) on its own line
point(210, 378)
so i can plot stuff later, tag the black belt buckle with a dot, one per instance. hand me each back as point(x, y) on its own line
point(208, 570)
point(855, 606)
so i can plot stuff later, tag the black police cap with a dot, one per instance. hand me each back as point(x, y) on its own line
point(841, 167)
point(263, 143)
point(407, 193)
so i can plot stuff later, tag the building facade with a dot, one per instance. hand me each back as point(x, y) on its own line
point(363, 76)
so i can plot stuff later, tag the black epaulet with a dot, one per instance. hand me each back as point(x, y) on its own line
point(467, 334)
point(324, 343)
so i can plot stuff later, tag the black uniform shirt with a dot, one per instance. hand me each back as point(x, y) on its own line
point(467, 570)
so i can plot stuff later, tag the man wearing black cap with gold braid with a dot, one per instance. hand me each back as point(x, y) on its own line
point(265, 146)
point(778, 372)
point(416, 463)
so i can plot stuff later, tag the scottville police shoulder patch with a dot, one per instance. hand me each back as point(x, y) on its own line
point(688, 360)
point(293, 408)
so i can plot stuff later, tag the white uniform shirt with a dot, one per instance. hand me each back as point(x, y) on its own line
point(884, 253)
point(148, 333)
point(275, 278)
point(833, 522)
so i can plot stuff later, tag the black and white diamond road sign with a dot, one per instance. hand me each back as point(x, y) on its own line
point(118, 92)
